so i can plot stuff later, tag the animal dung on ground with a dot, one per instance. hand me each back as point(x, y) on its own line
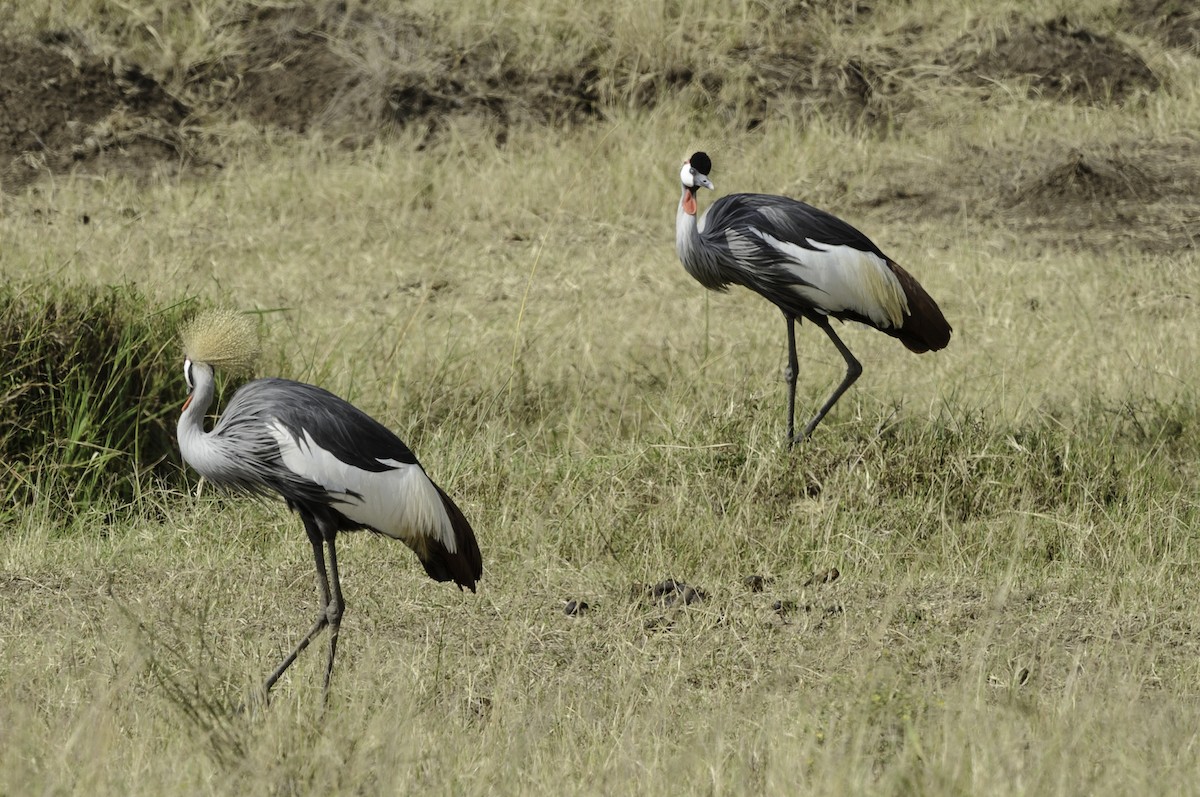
point(756, 583)
point(783, 607)
point(574, 608)
point(670, 593)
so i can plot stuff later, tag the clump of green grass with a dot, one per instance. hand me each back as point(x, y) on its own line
point(86, 395)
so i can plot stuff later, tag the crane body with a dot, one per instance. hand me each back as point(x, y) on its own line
point(808, 263)
point(336, 466)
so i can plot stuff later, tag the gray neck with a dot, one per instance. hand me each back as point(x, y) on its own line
point(697, 259)
point(193, 442)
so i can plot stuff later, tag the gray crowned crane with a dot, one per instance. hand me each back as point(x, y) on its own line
point(810, 264)
point(336, 466)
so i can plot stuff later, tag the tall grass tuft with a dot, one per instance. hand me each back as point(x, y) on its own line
point(88, 388)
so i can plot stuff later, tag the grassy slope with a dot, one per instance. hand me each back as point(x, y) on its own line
point(1015, 612)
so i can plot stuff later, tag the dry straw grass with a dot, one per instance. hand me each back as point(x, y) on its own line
point(1013, 521)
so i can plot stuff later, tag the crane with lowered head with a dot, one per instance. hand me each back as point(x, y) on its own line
point(334, 465)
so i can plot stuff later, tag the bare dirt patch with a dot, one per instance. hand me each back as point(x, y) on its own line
point(861, 89)
point(788, 70)
point(353, 74)
point(1176, 23)
point(1087, 178)
point(286, 73)
point(357, 74)
point(1139, 193)
point(1061, 60)
point(67, 109)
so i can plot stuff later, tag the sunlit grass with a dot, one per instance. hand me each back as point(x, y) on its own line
point(1013, 520)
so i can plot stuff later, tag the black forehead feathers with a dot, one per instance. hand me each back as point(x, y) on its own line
point(701, 162)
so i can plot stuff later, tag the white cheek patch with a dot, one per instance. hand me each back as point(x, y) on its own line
point(400, 502)
point(844, 278)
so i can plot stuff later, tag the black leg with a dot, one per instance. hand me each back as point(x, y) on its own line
point(853, 371)
point(334, 610)
point(314, 536)
point(790, 375)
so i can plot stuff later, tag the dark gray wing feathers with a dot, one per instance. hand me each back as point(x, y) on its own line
point(786, 219)
point(744, 258)
point(334, 424)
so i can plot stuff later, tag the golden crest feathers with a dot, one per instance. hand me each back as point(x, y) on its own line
point(222, 338)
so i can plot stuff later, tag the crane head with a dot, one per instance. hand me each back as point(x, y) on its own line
point(221, 338)
point(694, 173)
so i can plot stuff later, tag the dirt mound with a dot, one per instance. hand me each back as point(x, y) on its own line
point(355, 74)
point(286, 72)
point(1175, 23)
point(857, 89)
point(1140, 193)
point(1062, 60)
point(1090, 178)
point(65, 108)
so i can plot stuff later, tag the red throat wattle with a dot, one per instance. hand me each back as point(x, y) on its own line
point(689, 202)
point(186, 402)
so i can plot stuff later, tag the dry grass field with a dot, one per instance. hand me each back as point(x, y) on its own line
point(978, 577)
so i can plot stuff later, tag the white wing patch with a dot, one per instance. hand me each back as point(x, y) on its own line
point(401, 502)
point(844, 278)
point(740, 245)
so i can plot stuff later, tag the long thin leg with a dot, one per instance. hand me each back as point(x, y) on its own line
point(790, 375)
point(853, 371)
point(333, 611)
point(314, 536)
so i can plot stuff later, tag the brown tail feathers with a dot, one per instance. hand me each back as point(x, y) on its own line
point(465, 566)
point(925, 328)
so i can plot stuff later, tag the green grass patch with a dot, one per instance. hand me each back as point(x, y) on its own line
point(88, 396)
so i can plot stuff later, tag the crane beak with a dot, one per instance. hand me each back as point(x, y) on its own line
point(702, 181)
